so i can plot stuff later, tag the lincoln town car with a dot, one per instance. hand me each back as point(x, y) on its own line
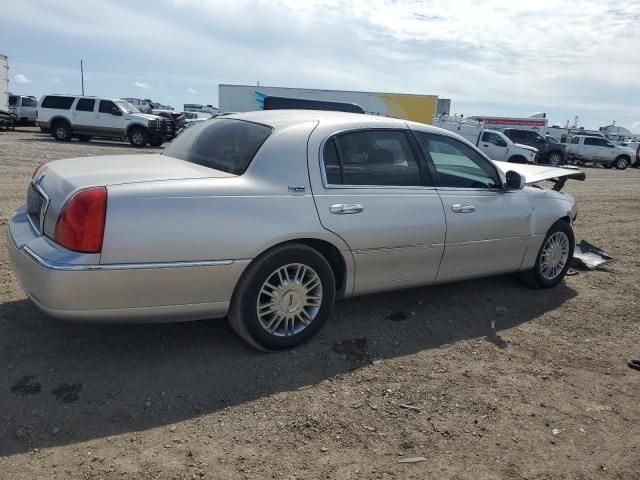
point(267, 218)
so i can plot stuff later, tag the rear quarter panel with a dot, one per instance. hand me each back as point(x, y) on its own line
point(218, 218)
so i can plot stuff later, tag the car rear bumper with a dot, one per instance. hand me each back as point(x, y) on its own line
point(73, 286)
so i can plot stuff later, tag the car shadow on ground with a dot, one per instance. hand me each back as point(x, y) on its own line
point(63, 383)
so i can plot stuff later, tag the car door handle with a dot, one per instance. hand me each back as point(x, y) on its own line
point(346, 208)
point(459, 208)
point(485, 145)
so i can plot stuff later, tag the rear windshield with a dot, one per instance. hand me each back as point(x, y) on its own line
point(224, 144)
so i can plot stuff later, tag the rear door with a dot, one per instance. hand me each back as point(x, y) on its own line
point(85, 118)
point(487, 226)
point(591, 149)
point(374, 193)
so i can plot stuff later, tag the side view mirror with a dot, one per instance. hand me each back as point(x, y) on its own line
point(515, 181)
point(116, 111)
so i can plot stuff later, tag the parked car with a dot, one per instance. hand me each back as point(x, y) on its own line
point(634, 145)
point(584, 149)
point(497, 146)
point(551, 152)
point(174, 124)
point(23, 107)
point(68, 116)
point(270, 216)
point(493, 143)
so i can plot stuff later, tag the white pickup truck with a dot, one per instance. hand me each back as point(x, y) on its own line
point(496, 145)
point(582, 149)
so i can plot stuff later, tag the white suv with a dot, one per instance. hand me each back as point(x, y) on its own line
point(67, 116)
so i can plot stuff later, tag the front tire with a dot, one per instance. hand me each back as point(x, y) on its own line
point(621, 163)
point(156, 141)
point(283, 298)
point(138, 137)
point(553, 258)
point(554, 158)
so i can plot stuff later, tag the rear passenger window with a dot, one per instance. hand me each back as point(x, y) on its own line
point(371, 157)
point(60, 103)
point(591, 141)
point(85, 105)
point(29, 102)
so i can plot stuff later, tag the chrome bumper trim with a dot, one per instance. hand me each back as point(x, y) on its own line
point(122, 266)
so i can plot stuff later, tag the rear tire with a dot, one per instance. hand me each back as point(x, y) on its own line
point(621, 163)
point(61, 131)
point(553, 258)
point(283, 298)
point(138, 137)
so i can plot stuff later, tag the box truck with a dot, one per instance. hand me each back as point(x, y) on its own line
point(244, 98)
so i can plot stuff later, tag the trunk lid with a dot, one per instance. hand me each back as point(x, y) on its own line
point(59, 179)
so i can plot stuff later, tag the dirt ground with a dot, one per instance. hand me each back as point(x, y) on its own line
point(391, 377)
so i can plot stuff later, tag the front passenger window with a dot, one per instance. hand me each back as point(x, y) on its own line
point(458, 165)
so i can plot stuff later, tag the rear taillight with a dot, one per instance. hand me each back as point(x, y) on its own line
point(80, 226)
point(37, 170)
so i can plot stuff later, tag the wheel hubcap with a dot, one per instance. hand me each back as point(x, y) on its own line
point(555, 255)
point(137, 138)
point(622, 163)
point(61, 132)
point(555, 159)
point(289, 300)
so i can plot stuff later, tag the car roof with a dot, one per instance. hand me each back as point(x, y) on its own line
point(283, 118)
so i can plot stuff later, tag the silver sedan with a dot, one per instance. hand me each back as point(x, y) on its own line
point(269, 217)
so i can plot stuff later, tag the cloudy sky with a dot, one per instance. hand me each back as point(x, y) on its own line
point(490, 57)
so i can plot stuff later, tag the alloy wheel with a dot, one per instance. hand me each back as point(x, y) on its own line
point(555, 255)
point(289, 300)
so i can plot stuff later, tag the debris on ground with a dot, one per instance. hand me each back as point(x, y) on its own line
point(634, 363)
point(412, 460)
point(589, 256)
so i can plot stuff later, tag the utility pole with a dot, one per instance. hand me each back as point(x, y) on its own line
point(82, 76)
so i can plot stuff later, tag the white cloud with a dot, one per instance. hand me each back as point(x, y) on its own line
point(192, 90)
point(55, 80)
point(20, 78)
point(142, 85)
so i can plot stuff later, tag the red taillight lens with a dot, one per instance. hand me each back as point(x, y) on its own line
point(37, 170)
point(80, 226)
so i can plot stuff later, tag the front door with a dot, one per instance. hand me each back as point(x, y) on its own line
point(109, 120)
point(493, 146)
point(487, 227)
point(376, 197)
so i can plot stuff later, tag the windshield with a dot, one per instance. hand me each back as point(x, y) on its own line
point(126, 107)
point(228, 145)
